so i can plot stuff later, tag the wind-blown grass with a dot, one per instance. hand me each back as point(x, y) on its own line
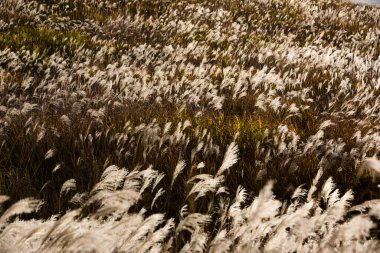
point(193, 126)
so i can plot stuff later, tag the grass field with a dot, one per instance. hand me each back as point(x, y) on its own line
point(189, 126)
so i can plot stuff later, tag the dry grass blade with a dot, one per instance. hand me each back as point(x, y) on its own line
point(23, 206)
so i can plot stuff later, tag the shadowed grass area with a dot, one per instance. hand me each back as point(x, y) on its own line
point(82, 149)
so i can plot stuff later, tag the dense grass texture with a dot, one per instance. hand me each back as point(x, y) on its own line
point(189, 126)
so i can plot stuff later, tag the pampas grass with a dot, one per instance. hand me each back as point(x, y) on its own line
point(189, 126)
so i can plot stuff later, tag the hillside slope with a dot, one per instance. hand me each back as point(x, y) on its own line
point(157, 125)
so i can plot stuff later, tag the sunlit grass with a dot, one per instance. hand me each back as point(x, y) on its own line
point(170, 117)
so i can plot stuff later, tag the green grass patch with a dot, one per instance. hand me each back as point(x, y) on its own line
point(45, 40)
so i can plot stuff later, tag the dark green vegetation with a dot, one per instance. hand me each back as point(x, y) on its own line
point(44, 41)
